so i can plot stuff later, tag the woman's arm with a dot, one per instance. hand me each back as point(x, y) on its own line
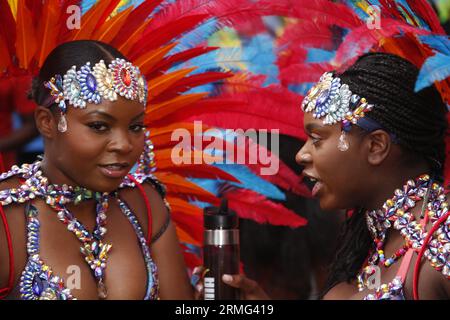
point(15, 221)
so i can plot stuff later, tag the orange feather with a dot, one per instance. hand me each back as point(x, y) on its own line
point(26, 43)
point(179, 205)
point(147, 61)
point(179, 186)
point(165, 81)
point(47, 36)
point(111, 28)
point(92, 18)
point(126, 46)
point(159, 111)
point(183, 236)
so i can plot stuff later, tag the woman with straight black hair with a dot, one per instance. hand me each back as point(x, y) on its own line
point(91, 115)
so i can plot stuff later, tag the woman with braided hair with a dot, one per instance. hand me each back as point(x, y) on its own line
point(376, 148)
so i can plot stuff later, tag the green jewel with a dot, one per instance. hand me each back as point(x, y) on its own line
point(78, 199)
point(88, 194)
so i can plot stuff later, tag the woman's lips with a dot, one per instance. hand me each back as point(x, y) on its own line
point(114, 170)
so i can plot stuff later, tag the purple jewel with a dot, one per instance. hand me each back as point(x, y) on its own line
point(91, 83)
point(99, 221)
point(98, 272)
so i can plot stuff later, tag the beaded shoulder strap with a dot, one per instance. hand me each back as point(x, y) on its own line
point(136, 180)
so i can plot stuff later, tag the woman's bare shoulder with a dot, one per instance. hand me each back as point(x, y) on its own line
point(153, 193)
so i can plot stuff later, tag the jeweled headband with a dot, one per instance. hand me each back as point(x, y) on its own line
point(93, 84)
point(332, 101)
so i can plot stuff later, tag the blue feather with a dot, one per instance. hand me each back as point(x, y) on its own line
point(196, 36)
point(200, 204)
point(259, 52)
point(438, 43)
point(248, 179)
point(302, 88)
point(436, 68)
point(319, 55)
point(86, 5)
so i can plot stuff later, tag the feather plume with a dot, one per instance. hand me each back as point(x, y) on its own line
point(251, 205)
point(26, 44)
point(106, 32)
point(47, 37)
point(134, 22)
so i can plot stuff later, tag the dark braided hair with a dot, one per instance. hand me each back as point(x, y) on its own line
point(417, 119)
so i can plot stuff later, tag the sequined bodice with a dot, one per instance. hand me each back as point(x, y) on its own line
point(38, 281)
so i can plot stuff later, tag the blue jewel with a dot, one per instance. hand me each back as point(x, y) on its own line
point(38, 285)
point(91, 82)
point(59, 82)
point(62, 106)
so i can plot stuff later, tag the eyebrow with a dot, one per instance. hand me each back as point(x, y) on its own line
point(107, 115)
point(311, 126)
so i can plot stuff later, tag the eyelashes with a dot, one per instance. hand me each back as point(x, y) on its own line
point(102, 127)
point(315, 140)
point(98, 126)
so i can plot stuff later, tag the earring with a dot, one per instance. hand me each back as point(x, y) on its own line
point(343, 143)
point(62, 123)
point(146, 162)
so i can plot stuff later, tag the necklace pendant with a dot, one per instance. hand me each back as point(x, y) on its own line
point(101, 290)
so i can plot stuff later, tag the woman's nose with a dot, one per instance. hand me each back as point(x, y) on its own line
point(121, 143)
point(303, 157)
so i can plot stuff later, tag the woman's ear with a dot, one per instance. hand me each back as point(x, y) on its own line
point(45, 122)
point(379, 144)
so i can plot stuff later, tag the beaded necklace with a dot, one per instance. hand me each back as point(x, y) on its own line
point(94, 250)
point(396, 213)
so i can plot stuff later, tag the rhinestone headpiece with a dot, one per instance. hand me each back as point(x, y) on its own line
point(333, 101)
point(93, 84)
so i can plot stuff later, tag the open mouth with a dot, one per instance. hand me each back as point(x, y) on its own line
point(115, 170)
point(315, 182)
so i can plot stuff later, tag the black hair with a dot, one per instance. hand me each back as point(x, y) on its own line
point(63, 57)
point(417, 119)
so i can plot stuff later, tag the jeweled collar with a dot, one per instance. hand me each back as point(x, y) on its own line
point(37, 186)
point(380, 220)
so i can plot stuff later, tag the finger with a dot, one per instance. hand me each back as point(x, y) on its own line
point(239, 281)
point(198, 270)
point(199, 292)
